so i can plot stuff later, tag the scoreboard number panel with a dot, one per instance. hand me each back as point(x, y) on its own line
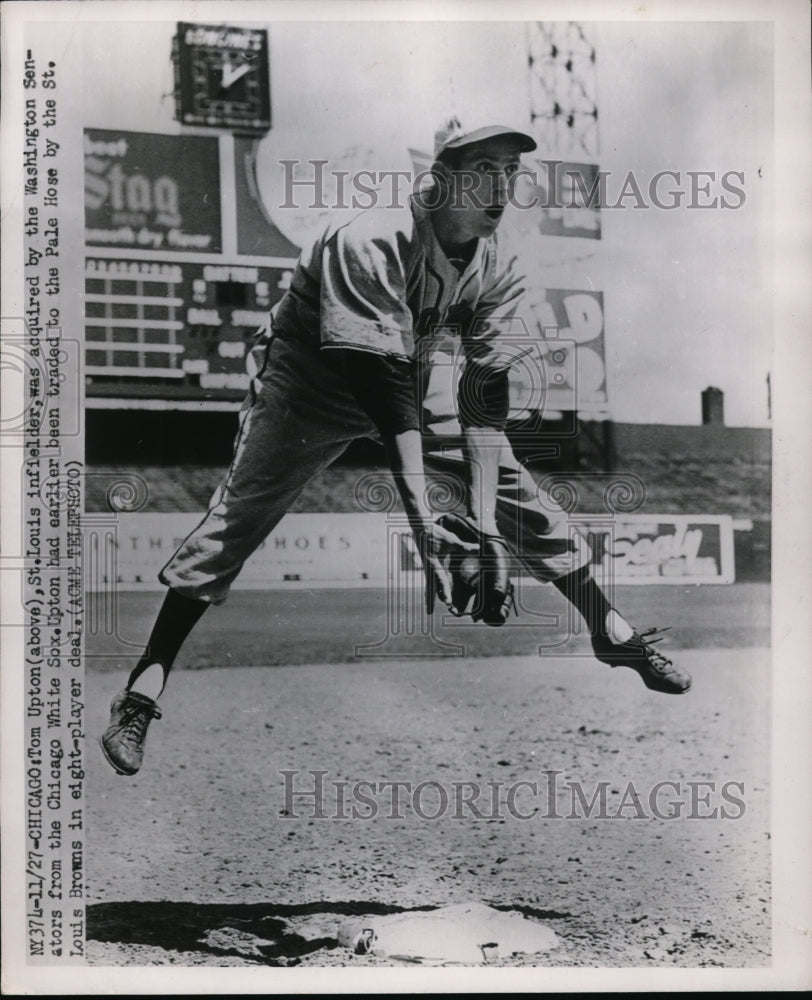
point(222, 77)
point(161, 330)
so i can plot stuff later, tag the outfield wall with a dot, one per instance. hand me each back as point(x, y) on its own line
point(375, 549)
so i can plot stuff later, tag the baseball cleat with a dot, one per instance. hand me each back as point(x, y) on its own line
point(639, 653)
point(123, 741)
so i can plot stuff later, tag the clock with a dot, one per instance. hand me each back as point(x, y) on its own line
point(222, 77)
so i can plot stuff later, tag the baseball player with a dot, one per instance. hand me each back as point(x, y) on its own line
point(352, 349)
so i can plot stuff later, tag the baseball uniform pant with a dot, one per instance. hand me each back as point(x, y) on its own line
point(298, 418)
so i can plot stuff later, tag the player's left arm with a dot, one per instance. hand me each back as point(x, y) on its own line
point(482, 428)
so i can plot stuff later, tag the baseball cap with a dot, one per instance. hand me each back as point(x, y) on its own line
point(454, 134)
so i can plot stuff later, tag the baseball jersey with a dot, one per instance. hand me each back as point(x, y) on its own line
point(382, 283)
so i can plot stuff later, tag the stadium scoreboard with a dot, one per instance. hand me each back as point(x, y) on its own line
point(182, 267)
point(180, 331)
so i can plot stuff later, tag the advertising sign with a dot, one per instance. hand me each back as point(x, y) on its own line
point(572, 362)
point(663, 549)
point(152, 192)
point(342, 550)
point(569, 198)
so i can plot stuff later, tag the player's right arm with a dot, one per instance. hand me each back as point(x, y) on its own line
point(366, 333)
point(385, 390)
point(366, 328)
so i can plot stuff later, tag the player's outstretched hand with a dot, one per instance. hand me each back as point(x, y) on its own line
point(433, 543)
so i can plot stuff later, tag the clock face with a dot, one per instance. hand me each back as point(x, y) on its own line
point(222, 77)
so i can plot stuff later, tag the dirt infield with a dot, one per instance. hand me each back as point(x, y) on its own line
point(640, 834)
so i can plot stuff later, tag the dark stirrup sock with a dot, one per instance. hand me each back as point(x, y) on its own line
point(176, 619)
point(584, 594)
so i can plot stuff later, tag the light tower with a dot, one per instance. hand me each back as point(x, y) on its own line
point(563, 102)
point(562, 63)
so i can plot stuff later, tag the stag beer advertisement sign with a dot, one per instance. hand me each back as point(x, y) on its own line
point(152, 192)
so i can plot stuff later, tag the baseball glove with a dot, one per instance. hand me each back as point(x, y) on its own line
point(481, 585)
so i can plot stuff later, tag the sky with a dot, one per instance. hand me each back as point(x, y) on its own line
point(687, 292)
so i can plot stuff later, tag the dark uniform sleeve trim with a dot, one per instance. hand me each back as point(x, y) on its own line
point(384, 387)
